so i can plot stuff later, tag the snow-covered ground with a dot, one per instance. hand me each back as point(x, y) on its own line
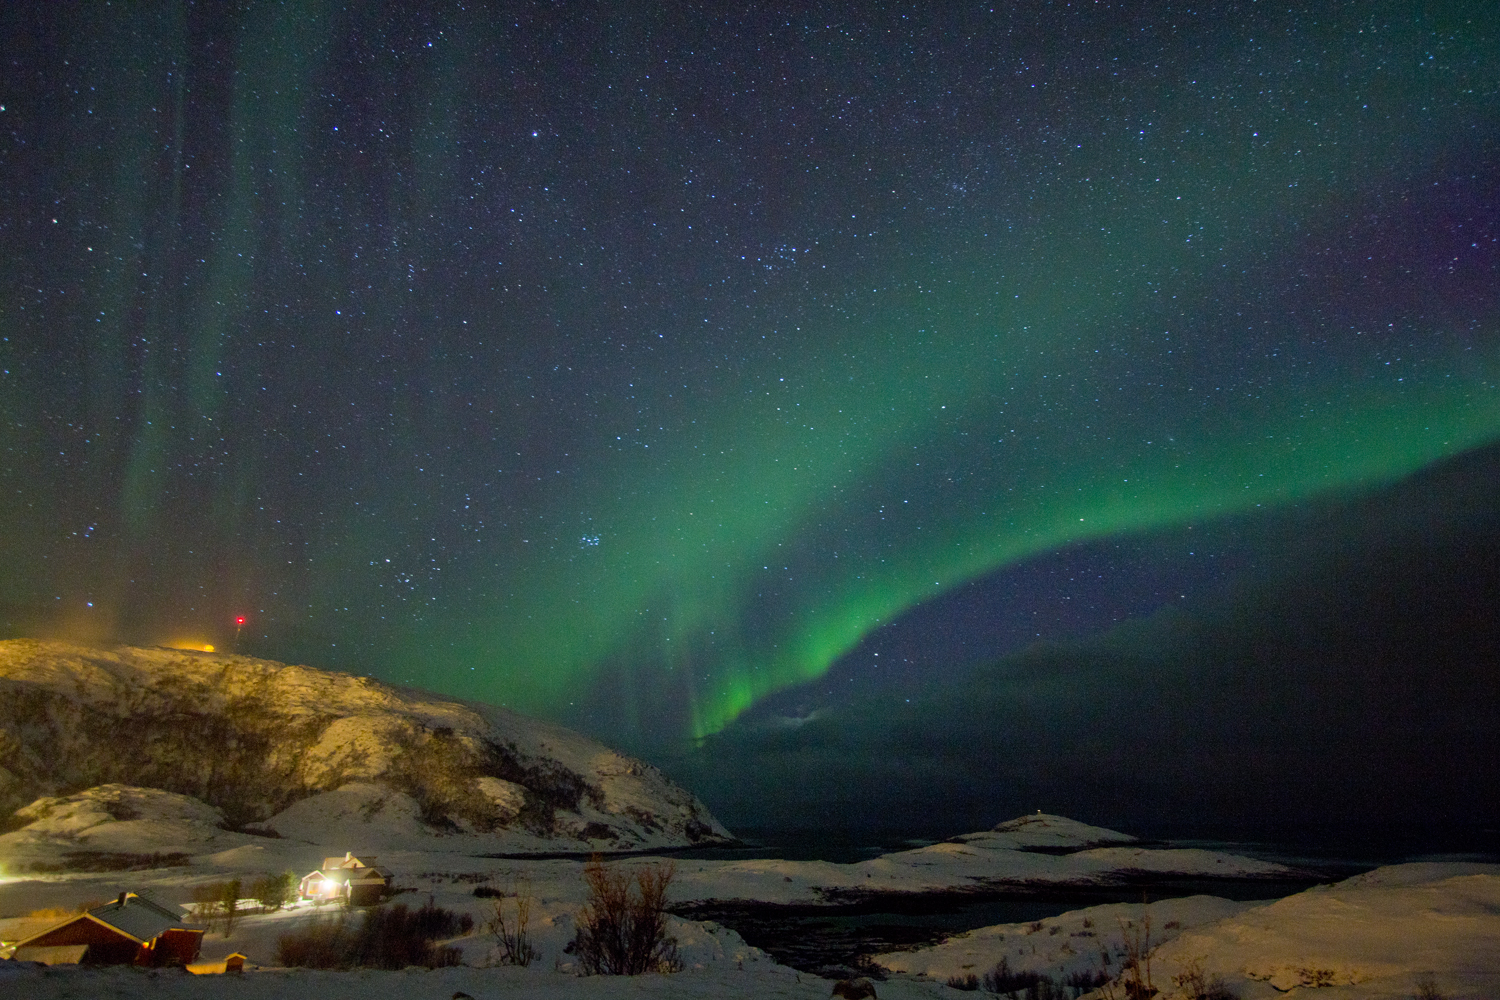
point(753, 982)
point(1370, 936)
point(1376, 935)
point(1079, 941)
point(153, 821)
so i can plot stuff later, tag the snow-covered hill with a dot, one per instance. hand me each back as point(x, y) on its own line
point(306, 754)
point(1381, 934)
point(1044, 832)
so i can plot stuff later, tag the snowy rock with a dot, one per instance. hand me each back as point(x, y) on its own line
point(111, 820)
point(320, 756)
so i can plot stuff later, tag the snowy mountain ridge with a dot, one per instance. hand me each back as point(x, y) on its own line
point(319, 756)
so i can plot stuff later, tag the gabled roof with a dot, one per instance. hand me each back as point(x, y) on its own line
point(137, 916)
point(132, 916)
point(349, 861)
point(357, 875)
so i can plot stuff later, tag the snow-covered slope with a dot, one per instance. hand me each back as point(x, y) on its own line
point(1378, 935)
point(1373, 935)
point(115, 819)
point(313, 755)
point(1079, 941)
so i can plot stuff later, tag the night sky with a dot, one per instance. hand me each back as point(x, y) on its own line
point(643, 370)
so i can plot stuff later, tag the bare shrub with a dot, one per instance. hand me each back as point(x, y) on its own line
point(1134, 981)
point(1135, 975)
point(1427, 990)
point(854, 989)
point(1003, 980)
point(1084, 980)
point(1022, 984)
point(1315, 977)
point(1193, 984)
point(621, 933)
point(510, 933)
point(969, 982)
point(322, 944)
point(387, 938)
point(218, 904)
point(395, 937)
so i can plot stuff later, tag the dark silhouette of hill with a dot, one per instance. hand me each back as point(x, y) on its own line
point(1349, 683)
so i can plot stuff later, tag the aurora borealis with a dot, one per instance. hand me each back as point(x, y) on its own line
point(636, 367)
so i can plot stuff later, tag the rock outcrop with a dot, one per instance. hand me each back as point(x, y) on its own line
point(307, 753)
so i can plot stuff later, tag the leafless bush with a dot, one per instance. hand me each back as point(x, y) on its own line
point(1134, 981)
point(1084, 980)
point(1427, 990)
point(218, 904)
point(387, 938)
point(322, 944)
point(510, 933)
point(621, 933)
point(1022, 984)
point(1192, 983)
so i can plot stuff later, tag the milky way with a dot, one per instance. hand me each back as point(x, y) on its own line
point(627, 366)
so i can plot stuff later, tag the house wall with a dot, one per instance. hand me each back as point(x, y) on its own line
point(106, 946)
point(177, 946)
point(366, 893)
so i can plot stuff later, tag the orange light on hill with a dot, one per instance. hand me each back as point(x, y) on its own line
point(193, 644)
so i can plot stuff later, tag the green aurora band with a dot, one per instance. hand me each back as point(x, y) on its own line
point(1113, 339)
point(695, 549)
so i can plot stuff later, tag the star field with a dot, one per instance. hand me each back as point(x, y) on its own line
point(636, 367)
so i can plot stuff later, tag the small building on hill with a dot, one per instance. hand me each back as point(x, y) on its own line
point(130, 931)
point(357, 881)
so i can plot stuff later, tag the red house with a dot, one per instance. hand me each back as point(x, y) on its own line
point(130, 931)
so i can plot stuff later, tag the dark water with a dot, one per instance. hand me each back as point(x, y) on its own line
point(837, 940)
point(1338, 849)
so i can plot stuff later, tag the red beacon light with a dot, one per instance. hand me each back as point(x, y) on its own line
point(240, 621)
